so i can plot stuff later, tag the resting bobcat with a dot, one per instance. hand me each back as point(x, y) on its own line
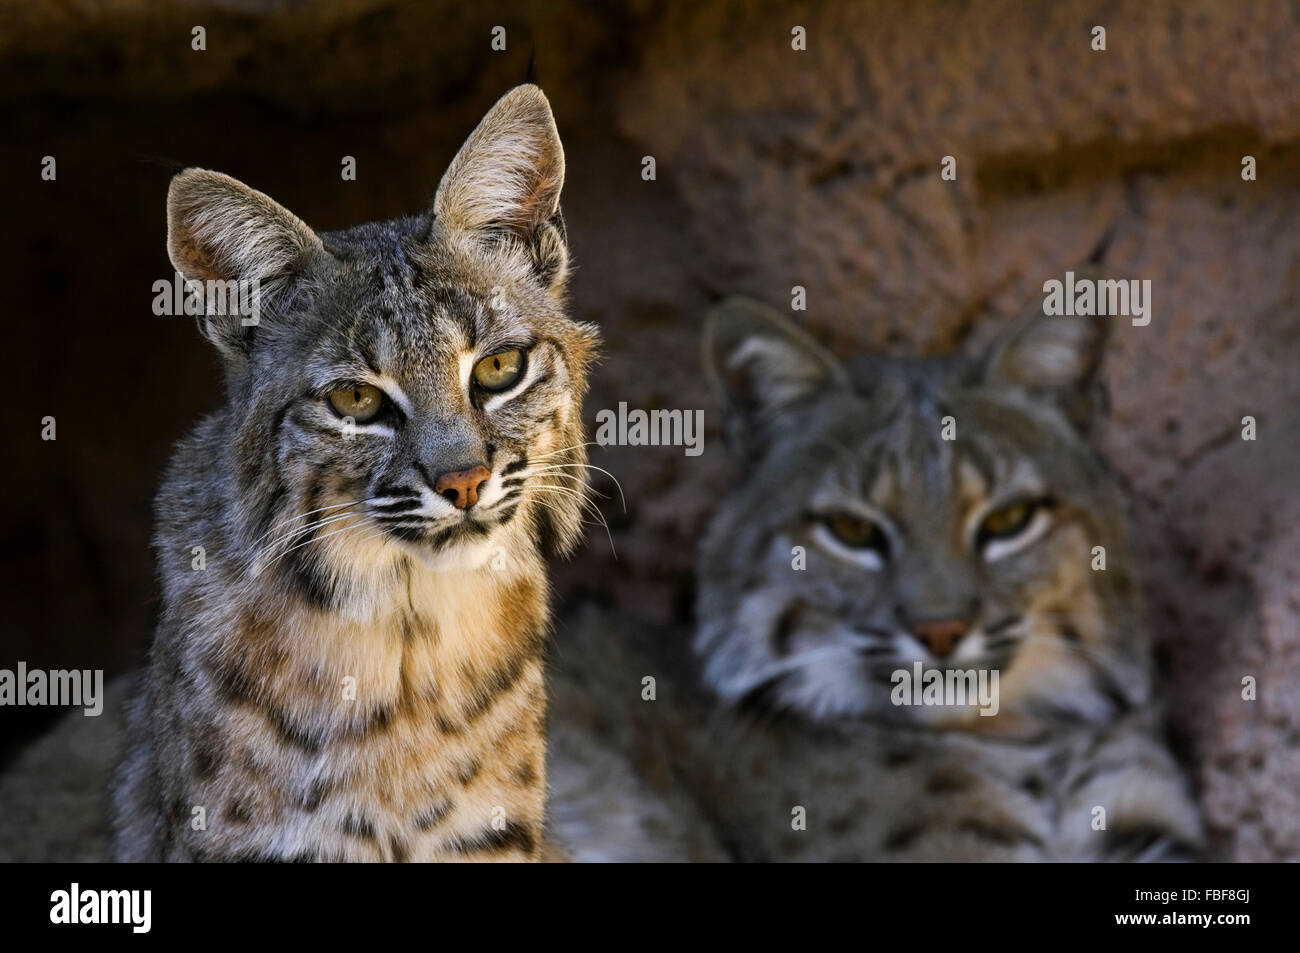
point(859, 543)
point(354, 672)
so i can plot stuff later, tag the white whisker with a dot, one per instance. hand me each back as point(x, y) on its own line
point(309, 527)
point(314, 539)
point(302, 516)
point(587, 466)
point(554, 453)
point(553, 509)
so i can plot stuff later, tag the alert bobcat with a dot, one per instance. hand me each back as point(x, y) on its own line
point(895, 518)
point(349, 661)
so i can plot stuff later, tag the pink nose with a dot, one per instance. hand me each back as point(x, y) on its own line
point(462, 487)
point(940, 636)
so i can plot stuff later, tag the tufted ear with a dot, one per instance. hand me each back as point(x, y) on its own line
point(507, 178)
point(220, 230)
point(761, 364)
point(1052, 357)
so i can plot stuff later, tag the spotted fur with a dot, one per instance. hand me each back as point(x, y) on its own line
point(356, 670)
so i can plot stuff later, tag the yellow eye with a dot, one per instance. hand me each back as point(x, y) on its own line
point(361, 402)
point(1008, 521)
point(857, 532)
point(498, 372)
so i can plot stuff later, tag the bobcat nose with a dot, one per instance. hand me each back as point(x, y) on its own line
point(462, 486)
point(940, 636)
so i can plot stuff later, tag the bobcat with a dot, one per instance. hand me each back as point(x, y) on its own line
point(352, 668)
point(895, 517)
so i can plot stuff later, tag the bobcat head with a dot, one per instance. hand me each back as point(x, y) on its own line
point(938, 511)
point(410, 389)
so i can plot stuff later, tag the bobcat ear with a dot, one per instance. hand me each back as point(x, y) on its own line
point(760, 363)
point(218, 229)
point(507, 178)
point(1055, 357)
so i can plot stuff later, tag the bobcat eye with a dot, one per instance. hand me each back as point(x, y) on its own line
point(857, 532)
point(361, 402)
point(1013, 527)
point(497, 372)
point(1007, 521)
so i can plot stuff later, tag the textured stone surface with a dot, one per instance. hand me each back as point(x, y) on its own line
point(775, 168)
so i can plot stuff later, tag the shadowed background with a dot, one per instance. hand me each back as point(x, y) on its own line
point(775, 168)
